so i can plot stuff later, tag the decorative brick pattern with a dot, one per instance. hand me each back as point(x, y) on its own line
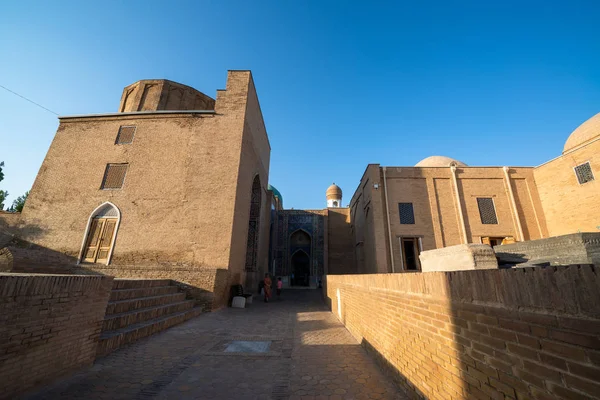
point(501, 334)
point(49, 327)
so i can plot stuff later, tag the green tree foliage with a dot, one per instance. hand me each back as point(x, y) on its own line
point(3, 193)
point(3, 196)
point(17, 205)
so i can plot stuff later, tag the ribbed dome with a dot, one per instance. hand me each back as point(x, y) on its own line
point(440, 161)
point(276, 193)
point(584, 133)
point(333, 192)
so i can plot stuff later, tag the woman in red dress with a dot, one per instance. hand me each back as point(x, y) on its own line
point(267, 287)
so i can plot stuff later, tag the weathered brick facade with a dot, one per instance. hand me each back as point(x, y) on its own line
point(185, 202)
point(49, 327)
point(503, 334)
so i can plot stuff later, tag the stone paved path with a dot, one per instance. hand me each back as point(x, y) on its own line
point(310, 356)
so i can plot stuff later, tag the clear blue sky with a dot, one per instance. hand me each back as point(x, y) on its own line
point(341, 84)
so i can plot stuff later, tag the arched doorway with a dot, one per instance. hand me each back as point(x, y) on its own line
point(253, 226)
point(300, 244)
point(100, 234)
point(301, 268)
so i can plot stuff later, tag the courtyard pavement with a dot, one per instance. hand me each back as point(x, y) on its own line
point(293, 348)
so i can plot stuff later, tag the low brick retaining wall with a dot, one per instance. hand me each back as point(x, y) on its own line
point(515, 334)
point(209, 287)
point(49, 326)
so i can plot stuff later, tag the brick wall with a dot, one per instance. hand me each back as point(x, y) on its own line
point(185, 201)
point(254, 157)
point(165, 157)
point(49, 326)
point(26, 257)
point(436, 211)
point(503, 334)
point(368, 224)
point(340, 242)
point(568, 206)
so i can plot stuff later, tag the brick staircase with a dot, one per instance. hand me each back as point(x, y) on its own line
point(142, 307)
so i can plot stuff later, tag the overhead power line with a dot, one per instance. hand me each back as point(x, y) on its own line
point(25, 98)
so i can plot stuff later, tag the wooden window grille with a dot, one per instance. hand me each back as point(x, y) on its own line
point(584, 173)
point(114, 176)
point(487, 211)
point(407, 213)
point(125, 135)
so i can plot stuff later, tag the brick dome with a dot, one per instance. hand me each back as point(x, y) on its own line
point(584, 133)
point(440, 161)
point(162, 95)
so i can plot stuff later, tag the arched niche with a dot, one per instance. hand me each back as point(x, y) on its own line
point(300, 238)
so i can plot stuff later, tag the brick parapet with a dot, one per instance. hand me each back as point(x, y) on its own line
point(49, 327)
point(526, 333)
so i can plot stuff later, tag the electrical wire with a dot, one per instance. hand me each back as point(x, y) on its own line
point(25, 98)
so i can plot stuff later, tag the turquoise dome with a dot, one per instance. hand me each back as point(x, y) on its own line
point(276, 194)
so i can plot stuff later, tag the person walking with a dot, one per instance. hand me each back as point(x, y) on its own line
point(279, 286)
point(267, 288)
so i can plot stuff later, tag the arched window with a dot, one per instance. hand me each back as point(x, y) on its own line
point(253, 226)
point(100, 234)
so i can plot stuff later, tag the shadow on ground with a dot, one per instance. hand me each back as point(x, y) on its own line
point(309, 354)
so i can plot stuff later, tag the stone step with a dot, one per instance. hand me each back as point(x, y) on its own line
point(112, 340)
point(122, 320)
point(139, 283)
point(128, 294)
point(116, 307)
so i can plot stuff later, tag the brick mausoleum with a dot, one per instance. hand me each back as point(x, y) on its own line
point(174, 188)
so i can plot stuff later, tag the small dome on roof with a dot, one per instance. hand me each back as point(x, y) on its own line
point(584, 133)
point(333, 192)
point(276, 193)
point(440, 161)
